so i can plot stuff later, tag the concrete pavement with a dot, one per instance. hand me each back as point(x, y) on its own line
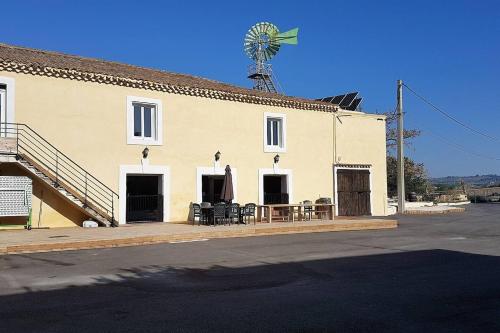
point(59, 239)
point(432, 274)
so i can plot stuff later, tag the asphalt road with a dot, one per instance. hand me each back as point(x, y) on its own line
point(432, 274)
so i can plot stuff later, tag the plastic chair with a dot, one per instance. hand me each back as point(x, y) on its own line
point(308, 210)
point(233, 212)
point(249, 212)
point(219, 213)
point(197, 213)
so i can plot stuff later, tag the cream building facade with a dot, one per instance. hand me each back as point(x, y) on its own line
point(103, 115)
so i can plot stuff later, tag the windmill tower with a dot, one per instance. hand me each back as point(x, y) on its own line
point(262, 42)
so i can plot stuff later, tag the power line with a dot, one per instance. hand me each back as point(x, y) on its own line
point(447, 115)
point(460, 147)
point(463, 149)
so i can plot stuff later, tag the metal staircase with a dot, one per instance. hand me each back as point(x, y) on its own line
point(48, 164)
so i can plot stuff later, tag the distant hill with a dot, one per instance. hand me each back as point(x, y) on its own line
point(476, 181)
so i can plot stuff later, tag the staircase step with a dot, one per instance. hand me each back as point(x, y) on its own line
point(75, 200)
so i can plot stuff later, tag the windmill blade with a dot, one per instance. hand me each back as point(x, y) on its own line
point(261, 37)
point(288, 37)
point(271, 51)
point(263, 40)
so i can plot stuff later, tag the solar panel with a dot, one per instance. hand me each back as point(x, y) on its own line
point(347, 100)
point(354, 105)
point(337, 99)
point(324, 99)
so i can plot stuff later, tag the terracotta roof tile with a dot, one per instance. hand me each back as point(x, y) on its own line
point(47, 59)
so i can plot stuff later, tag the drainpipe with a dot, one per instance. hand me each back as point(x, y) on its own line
point(334, 124)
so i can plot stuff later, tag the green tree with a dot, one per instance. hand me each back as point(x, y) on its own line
point(446, 187)
point(416, 179)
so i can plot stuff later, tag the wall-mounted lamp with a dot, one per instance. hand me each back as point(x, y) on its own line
point(276, 159)
point(217, 156)
point(145, 153)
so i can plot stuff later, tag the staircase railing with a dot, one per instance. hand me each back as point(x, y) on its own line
point(62, 170)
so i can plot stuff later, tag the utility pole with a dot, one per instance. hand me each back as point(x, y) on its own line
point(401, 156)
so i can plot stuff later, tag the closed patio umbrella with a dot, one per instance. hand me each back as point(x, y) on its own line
point(227, 194)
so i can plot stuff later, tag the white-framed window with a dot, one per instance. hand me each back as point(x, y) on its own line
point(274, 132)
point(7, 93)
point(144, 121)
point(3, 111)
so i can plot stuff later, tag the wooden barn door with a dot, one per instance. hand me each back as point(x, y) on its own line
point(353, 190)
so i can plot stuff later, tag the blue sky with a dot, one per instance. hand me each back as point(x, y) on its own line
point(449, 51)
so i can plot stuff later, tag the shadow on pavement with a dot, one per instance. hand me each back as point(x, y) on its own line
point(420, 291)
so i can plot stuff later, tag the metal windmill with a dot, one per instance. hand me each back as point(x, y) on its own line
point(262, 42)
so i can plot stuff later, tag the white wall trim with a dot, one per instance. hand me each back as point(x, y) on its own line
point(364, 167)
point(275, 171)
point(213, 171)
point(144, 169)
point(274, 149)
point(9, 100)
point(131, 140)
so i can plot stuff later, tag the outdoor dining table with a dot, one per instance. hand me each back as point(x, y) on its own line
point(270, 208)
